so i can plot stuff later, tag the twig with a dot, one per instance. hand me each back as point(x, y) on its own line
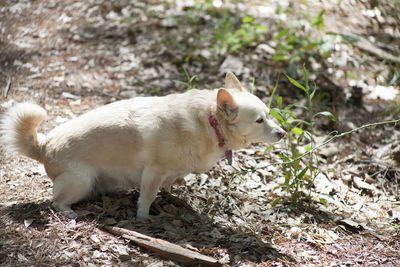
point(378, 163)
point(368, 47)
point(7, 88)
point(164, 248)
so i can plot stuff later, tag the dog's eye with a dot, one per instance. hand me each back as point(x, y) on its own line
point(260, 120)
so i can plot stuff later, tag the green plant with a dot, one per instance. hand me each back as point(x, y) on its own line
point(248, 34)
point(184, 34)
point(189, 80)
point(297, 44)
point(298, 174)
point(155, 91)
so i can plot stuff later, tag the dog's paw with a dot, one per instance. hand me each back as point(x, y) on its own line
point(65, 210)
point(70, 214)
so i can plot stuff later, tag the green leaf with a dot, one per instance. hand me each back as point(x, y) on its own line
point(305, 75)
point(287, 178)
point(273, 92)
point(326, 114)
point(252, 86)
point(296, 163)
point(290, 120)
point(349, 37)
point(308, 148)
point(313, 93)
point(269, 148)
point(277, 57)
point(318, 21)
point(283, 157)
point(297, 84)
point(262, 29)
point(297, 130)
point(248, 19)
point(275, 201)
point(301, 174)
point(276, 115)
point(279, 101)
point(322, 201)
point(282, 33)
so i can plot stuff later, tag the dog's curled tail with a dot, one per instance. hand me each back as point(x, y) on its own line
point(18, 129)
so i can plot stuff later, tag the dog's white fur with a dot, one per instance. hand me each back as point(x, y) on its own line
point(144, 142)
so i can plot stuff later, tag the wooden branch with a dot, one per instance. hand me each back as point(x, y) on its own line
point(366, 46)
point(164, 248)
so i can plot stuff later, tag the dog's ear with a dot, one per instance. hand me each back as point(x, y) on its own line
point(226, 104)
point(232, 82)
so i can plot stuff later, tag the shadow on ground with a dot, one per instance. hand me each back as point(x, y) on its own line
point(186, 226)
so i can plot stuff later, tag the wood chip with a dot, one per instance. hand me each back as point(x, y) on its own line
point(361, 184)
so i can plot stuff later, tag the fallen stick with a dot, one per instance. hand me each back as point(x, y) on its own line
point(369, 47)
point(164, 248)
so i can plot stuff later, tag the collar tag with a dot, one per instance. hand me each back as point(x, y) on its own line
point(228, 155)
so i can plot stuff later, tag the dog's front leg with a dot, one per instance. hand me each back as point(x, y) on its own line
point(152, 178)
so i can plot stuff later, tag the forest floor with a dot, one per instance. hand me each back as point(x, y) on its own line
point(72, 56)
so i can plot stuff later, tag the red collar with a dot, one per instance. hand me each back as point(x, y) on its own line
point(221, 142)
point(214, 123)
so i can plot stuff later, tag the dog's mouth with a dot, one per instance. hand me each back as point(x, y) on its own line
point(281, 134)
point(278, 135)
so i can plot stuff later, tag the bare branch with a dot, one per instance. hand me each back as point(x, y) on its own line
point(164, 248)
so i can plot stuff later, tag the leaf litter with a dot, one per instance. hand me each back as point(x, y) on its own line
point(73, 56)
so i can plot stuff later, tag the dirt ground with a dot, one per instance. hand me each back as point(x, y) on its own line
point(71, 56)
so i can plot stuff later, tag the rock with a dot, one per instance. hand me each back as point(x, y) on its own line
point(168, 22)
point(232, 64)
point(265, 49)
point(95, 239)
point(329, 151)
point(69, 95)
point(361, 184)
point(128, 94)
point(352, 225)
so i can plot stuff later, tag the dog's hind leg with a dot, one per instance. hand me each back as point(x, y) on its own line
point(152, 178)
point(69, 188)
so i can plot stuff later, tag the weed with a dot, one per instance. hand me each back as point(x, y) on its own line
point(296, 45)
point(298, 174)
point(155, 91)
point(249, 34)
point(189, 80)
point(252, 86)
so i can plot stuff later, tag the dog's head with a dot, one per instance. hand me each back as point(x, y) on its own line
point(246, 118)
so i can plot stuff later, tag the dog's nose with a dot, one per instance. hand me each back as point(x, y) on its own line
point(282, 134)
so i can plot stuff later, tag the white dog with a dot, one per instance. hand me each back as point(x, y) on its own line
point(145, 142)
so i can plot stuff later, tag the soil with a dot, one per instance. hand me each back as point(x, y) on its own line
point(72, 56)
